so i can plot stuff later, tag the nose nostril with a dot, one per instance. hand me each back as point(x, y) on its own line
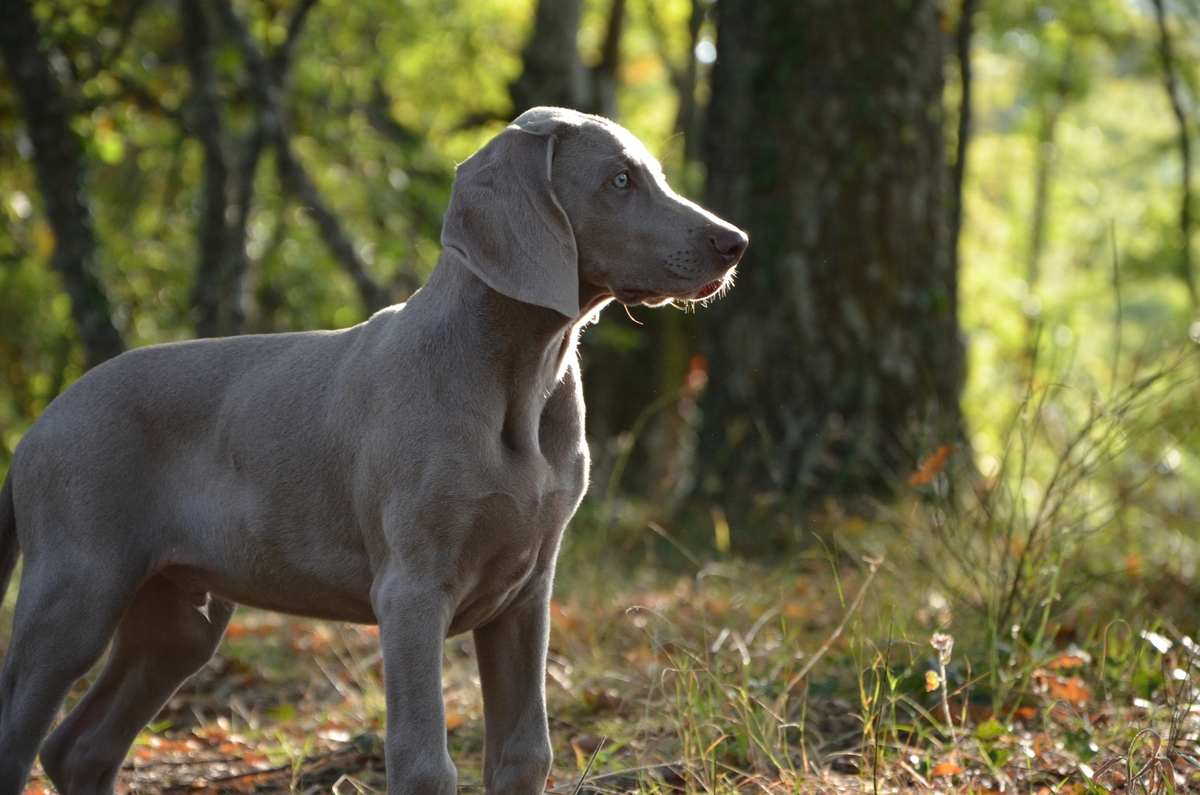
point(729, 243)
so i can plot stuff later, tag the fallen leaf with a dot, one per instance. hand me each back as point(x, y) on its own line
point(1072, 658)
point(931, 466)
point(945, 769)
point(795, 611)
point(1073, 690)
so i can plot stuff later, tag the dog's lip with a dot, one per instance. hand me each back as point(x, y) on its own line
point(633, 297)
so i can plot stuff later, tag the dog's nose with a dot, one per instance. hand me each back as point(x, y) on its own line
point(730, 244)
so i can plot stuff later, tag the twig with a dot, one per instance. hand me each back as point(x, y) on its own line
point(588, 768)
point(308, 760)
point(656, 527)
point(858, 599)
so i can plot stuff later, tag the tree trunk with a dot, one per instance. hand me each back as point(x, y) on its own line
point(217, 309)
point(553, 74)
point(605, 75)
point(837, 356)
point(58, 158)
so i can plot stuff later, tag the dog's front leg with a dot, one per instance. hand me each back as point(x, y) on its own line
point(512, 668)
point(413, 619)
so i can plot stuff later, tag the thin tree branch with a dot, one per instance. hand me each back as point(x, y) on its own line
point(58, 158)
point(216, 313)
point(282, 59)
point(1051, 111)
point(297, 181)
point(269, 78)
point(1185, 149)
point(962, 40)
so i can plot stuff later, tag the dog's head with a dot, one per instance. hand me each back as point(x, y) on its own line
point(562, 199)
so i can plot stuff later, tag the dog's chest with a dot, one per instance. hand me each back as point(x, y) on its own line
point(515, 529)
point(512, 540)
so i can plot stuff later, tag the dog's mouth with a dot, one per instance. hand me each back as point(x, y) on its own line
point(710, 289)
point(653, 298)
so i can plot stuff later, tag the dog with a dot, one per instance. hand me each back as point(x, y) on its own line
point(415, 471)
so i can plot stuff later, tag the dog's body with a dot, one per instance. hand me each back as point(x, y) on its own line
point(415, 471)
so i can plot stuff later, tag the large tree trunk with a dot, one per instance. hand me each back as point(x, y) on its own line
point(837, 355)
point(58, 158)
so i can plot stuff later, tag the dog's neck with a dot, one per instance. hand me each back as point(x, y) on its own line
point(520, 349)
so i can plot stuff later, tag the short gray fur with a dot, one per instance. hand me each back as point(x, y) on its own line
point(415, 471)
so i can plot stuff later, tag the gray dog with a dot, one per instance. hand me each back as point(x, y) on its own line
point(415, 471)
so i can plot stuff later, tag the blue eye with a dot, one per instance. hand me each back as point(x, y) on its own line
point(621, 180)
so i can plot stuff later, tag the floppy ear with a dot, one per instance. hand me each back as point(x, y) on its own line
point(507, 225)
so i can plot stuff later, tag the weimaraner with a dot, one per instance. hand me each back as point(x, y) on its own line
point(414, 471)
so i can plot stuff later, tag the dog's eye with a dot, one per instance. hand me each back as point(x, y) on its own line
point(621, 180)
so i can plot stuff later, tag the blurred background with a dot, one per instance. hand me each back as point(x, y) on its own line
point(941, 197)
point(961, 352)
point(972, 230)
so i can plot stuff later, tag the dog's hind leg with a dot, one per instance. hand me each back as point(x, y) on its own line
point(162, 640)
point(62, 624)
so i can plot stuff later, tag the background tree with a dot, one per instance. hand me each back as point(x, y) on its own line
point(839, 351)
point(61, 176)
point(555, 74)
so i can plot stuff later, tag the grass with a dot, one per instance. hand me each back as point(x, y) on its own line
point(678, 684)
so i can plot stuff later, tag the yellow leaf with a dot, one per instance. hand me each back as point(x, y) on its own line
point(43, 239)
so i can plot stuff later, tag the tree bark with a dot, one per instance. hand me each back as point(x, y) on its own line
point(837, 355)
point(553, 73)
point(58, 158)
point(605, 76)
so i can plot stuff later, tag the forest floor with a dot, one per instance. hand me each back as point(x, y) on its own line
point(815, 675)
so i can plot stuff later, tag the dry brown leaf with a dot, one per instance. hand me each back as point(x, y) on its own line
point(1073, 690)
point(946, 769)
point(795, 611)
point(1068, 660)
point(931, 466)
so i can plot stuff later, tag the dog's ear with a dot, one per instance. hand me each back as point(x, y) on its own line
point(507, 225)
